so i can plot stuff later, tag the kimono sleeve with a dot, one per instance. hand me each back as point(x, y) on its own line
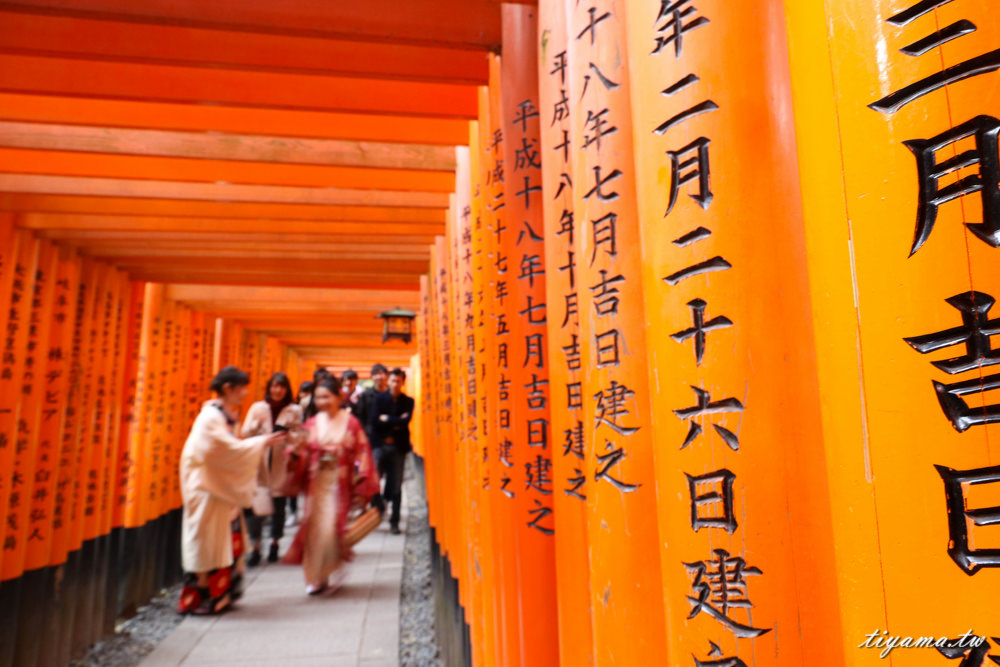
point(230, 464)
point(252, 424)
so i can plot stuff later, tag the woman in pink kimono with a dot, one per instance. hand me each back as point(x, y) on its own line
point(218, 477)
point(340, 471)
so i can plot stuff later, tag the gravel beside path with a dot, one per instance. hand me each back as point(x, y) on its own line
point(136, 638)
point(417, 641)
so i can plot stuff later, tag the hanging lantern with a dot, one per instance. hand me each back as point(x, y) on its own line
point(398, 323)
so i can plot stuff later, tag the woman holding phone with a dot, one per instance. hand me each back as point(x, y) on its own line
point(277, 412)
point(218, 473)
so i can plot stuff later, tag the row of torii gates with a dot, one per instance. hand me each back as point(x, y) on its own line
point(677, 266)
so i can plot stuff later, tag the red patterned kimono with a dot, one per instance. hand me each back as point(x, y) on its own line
point(340, 468)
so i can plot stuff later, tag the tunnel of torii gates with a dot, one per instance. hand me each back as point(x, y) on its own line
point(703, 288)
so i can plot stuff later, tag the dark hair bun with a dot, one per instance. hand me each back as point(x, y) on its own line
point(230, 375)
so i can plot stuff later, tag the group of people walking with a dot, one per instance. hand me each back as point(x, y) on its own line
point(333, 443)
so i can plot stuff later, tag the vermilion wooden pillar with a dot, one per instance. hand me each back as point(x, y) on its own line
point(22, 266)
point(53, 495)
point(9, 242)
point(24, 521)
point(470, 373)
point(91, 428)
point(40, 291)
point(900, 100)
point(478, 373)
point(622, 495)
point(465, 391)
point(725, 283)
point(522, 259)
point(85, 499)
point(131, 375)
point(135, 500)
point(489, 211)
point(502, 483)
point(118, 400)
point(60, 373)
point(453, 417)
point(568, 445)
point(154, 363)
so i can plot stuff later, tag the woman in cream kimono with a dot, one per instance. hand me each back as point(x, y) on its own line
point(278, 411)
point(340, 470)
point(218, 476)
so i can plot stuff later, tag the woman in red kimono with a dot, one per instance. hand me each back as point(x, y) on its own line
point(340, 470)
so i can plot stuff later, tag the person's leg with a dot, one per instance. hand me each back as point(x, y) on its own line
point(255, 530)
point(378, 501)
point(278, 519)
point(394, 486)
point(277, 528)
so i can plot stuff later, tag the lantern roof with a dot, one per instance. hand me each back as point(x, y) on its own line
point(397, 312)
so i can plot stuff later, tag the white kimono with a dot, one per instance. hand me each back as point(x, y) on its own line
point(218, 476)
point(258, 422)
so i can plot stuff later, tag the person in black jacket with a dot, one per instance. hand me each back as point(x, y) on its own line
point(362, 407)
point(389, 422)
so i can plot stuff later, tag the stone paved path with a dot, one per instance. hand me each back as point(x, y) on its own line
point(277, 624)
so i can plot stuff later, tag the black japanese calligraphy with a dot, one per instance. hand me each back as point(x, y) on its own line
point(970, 559)
point(687, 164)
point(985, 130)
point(679, 17)
point(700, 328)
point(612, 408)
point(719, 586)
point(706, 406)
point(976, 333)
point(712, 500)
point(610, 459)
point(975, 66)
